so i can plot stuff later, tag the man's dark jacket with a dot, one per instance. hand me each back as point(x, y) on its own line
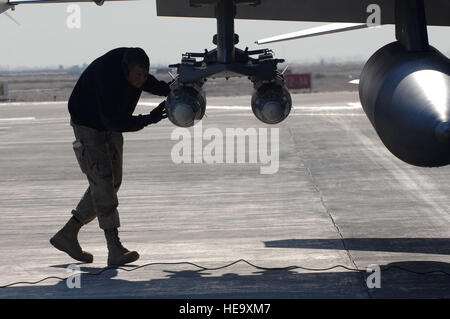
point(104, 100)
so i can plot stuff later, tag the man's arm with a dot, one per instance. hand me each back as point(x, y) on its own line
point(156, 87)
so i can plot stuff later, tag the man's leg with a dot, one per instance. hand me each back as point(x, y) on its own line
point(66, 239)
point(100, 157)
point(104, 153)
point(116, 150)
point(99, 172)
point(85, 147)
point(85, 211)
point(117, 254)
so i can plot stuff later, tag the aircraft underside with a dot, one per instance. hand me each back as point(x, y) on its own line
point(404, 87)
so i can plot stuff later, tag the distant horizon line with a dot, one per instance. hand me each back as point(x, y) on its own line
point(6, 68)
point(159, 65)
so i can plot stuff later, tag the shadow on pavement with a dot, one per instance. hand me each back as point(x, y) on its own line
point(439, 246)
point(273, 284)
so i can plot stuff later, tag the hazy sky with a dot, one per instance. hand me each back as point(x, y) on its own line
point(43, 38)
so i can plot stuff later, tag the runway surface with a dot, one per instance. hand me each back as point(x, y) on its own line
point(337, 197)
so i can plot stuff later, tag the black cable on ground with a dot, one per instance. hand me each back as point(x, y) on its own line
point(228, 265)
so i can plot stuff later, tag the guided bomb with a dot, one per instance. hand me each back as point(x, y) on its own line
point(271, 102)
point(186, 105)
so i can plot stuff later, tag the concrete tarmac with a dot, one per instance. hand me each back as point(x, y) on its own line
point(336, 197)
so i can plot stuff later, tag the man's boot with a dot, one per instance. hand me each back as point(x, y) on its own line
point(117, 254)
point(66, 240)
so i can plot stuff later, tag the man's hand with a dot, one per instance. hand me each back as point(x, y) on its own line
point(158, 113)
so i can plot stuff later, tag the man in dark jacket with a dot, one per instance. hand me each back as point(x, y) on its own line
point(101, 108)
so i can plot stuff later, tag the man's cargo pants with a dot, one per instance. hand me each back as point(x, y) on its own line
point(99, 154)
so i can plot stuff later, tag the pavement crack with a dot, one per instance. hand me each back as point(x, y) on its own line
point(328, 211)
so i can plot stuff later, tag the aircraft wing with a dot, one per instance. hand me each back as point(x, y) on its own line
point(14, 2)
point(9, 4)
point(350, 11)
